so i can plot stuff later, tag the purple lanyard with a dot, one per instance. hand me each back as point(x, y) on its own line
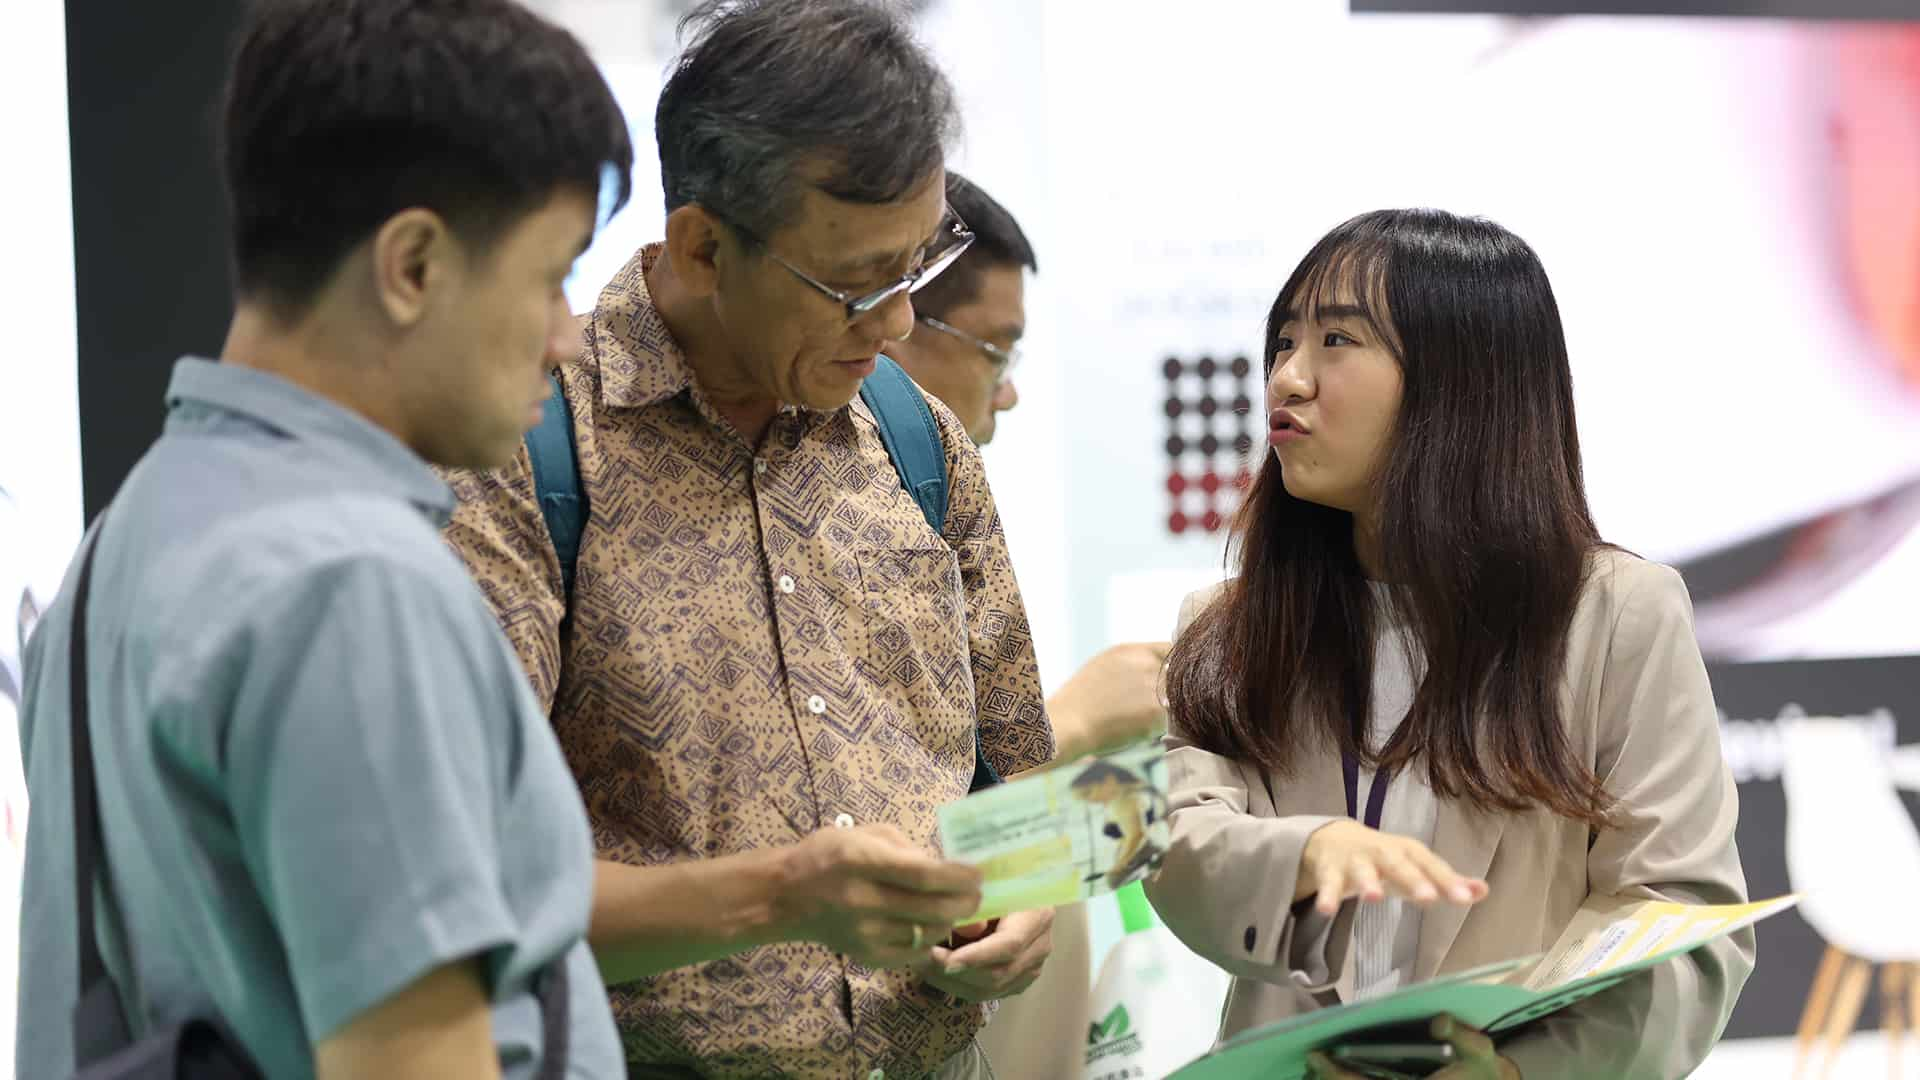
point(1376, 791)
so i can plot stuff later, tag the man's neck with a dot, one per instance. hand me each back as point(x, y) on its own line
point(307, 355)
point(703, 344)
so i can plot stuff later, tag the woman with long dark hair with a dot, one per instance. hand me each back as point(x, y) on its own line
point(1434, 715)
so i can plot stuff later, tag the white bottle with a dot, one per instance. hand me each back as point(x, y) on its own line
point(1156, 1005)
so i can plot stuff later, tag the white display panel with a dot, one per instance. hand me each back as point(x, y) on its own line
point(40, 516)
point(1678, 177)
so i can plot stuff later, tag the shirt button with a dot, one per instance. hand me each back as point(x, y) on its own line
point(817, 705)
point(843, 821)
point(759, 467)
point(786, 583)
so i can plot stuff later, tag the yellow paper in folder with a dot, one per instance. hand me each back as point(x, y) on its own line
point(1631, 932)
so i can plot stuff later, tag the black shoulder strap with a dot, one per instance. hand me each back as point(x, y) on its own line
point(100, 1027)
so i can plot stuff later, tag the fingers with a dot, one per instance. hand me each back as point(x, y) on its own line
point(1005, 963)
point(894, 861)
point(882, 942)
point(941, 910)
point(876, 866)
point(1014, 938)
point(1323, 1068)
point(972, 932)
point(967, 986)
point(1019, 978)
point(1365, 879)
point(890, 957)
point(1470, 1043)
point(1409, 878)
point(1460, 890)
point(1029, 964)
point(995, 951)
point(911, 934)
point(1344, 860)
point(988, 983)
point(1332, 890)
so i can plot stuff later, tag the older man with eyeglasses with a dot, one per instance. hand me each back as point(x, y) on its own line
point(769, 670)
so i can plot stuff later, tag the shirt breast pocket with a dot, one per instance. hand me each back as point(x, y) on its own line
point(914, 610)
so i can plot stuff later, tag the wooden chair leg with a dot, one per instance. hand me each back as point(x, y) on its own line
point(1895, 980)
point(1846, 1009)
point(1819, 1003)
point(1913, 997)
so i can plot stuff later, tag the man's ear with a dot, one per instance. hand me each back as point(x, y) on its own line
point(694, 243)
point(414, 255)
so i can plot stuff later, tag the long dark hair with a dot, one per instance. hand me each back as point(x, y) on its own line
point(1483, 529)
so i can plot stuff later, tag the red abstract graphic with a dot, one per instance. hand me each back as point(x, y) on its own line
point(1876, 130)
point(1209, 410)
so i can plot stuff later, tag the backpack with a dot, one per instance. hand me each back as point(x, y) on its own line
point(907, 429)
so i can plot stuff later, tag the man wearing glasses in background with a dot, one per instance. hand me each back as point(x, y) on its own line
point(768, 671)
point(969, 322)
point(963, 352)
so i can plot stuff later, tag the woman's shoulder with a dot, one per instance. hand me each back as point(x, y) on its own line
point(1196, 602)
point(1624, 591)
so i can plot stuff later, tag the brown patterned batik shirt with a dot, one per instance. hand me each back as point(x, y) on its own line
point(761, 644)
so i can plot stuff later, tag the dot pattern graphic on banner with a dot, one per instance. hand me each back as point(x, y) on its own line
point(1209, 410)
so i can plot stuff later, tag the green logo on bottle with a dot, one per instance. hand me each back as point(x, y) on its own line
point(1115, 1026)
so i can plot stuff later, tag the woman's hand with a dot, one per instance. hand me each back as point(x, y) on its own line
point(1475, 1057)
point(1347, 859)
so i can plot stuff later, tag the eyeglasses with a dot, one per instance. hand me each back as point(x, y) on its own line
point(950, 241)
point(1003, 360)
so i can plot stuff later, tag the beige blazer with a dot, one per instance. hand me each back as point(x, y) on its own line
point(1640, 712)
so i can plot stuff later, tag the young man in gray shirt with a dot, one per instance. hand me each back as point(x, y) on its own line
point(333, 815)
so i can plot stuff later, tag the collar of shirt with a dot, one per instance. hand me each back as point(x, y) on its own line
point(640, 363)
point(367, 452)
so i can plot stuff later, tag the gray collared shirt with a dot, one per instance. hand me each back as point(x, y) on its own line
point(321, 771)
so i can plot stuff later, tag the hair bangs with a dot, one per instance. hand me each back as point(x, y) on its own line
point(1345, 275)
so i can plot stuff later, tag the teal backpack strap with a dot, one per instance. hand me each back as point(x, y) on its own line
point(912, 439)
point(556, 481)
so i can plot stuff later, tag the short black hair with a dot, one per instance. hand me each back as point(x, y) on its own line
point(997, 241)
point(339, 114)
point(764, 89)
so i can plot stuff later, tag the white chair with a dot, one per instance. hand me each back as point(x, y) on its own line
point(1853, 852)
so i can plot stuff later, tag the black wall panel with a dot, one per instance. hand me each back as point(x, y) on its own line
point(150, 239)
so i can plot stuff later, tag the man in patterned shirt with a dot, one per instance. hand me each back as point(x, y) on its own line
point(769, 671)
